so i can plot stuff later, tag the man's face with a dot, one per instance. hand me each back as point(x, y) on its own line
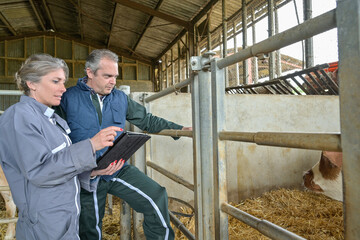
point(104, 80)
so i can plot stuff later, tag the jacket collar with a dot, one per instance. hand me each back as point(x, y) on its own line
point(47, 111)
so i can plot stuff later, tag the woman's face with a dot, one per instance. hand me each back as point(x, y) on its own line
point(49, 89)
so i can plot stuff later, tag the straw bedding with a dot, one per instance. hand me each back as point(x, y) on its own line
point(309, 215)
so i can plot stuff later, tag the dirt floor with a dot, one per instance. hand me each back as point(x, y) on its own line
point(309, 215)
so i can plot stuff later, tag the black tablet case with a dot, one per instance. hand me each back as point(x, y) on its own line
point(124, 147)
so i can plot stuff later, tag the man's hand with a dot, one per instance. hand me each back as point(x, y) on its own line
point(110, 170)
point(187, 128)
point(104, 138)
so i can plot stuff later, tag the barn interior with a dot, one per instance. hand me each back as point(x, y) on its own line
point(260, 117)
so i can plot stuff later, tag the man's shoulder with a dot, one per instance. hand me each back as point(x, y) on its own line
point(72, 91)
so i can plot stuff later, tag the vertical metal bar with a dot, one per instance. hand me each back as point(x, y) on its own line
point(166, 71)
point(161, 75)
point(209, 47)
point(199, 228)
point(245, 35)
point(205, 150)
point(309, 49)
point(179, 62)
point(271, 33)
point(172, 68)
point(277, 53)
point(348, 23)
point(125, 221)
point(219, 156)
point(255, 61)
point(224, 38)
point(206, 140)
point(235, 51)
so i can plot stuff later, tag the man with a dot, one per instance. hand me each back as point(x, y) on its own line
point(94, 104)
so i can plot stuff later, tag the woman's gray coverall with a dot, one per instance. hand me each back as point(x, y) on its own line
point(42, 169)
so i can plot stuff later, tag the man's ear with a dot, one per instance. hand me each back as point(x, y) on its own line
point(89, 73)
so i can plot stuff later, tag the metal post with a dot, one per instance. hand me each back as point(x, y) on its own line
point(161, 75)
point(139, 161)
point(271, 33)
point(235, 51)
point(209, 47)
point(219, 153)
point(172, 67)
point(199, 229)
point(348, 23)
point(245, 35)
point(179, 62)
point(277, 53)
point(224, 39)
point(255, 60)
point(309, 48)
point(166, 71)
point(203, 152)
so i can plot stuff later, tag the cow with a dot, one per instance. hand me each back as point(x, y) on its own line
point(10, 207)
point(326, 176)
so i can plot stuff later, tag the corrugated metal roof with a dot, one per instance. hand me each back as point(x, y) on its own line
point(142, 29)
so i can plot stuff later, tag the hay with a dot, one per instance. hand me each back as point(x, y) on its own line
point(312, 216)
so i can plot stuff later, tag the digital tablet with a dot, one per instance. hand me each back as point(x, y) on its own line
point(124, 147)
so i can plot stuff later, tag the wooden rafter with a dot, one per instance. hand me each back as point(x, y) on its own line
point(146, 26)
point(48, 13)
point(193, 21)
point(80, 21)
point(112, 23)
point(36, 11)
point(153, 12)
point(8, 25)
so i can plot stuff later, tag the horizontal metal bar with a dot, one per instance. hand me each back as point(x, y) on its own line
point(300, 32)
point(174, 133)
point(265, 227)
point(168, 90)
point(8, 220)
point(314, 141)
point(170, 175)
point(179, 225)
point(11, 92)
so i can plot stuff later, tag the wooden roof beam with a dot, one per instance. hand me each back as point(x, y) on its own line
point(153, 12)
point(36, 11)
point(49, 15)
point(193, 22)
point(8, 25)
point(146, 26)
point(80, 21)
point(112, 24)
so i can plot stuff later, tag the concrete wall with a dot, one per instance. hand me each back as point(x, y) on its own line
point(252, 169)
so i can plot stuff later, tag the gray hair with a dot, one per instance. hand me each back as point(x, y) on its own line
point(93, 60)
point(37, 66)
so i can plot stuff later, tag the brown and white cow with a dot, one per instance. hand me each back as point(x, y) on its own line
point(10, 206)
point(325, 176)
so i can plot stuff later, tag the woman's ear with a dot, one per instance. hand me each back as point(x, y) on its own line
point(31, 85)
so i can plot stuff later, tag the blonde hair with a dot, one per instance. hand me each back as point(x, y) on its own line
point(37, 66)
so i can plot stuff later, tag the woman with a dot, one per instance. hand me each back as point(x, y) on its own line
point(43, 168)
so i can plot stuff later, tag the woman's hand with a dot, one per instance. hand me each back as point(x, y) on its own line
point(110, 170)
point(104, 138)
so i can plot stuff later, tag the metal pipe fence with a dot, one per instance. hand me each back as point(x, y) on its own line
point(207, 96)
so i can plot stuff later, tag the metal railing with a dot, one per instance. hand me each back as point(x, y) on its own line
point(208, 84)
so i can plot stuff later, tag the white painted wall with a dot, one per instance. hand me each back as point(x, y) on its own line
point(252, 169)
